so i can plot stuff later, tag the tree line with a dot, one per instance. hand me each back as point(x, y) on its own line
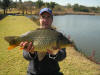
point(81, 8)
point(30, 6)
point(24, 6)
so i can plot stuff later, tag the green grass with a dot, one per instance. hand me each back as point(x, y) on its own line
point(77, 64)
point(13, 63)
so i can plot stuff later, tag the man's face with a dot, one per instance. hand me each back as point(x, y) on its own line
point(45, 20)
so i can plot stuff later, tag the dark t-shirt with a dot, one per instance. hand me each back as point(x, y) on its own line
point(48, 65)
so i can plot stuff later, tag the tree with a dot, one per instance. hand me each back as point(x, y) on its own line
point(47, 5)
point(69, 5)
point(76, 7)
point(5, 5)
point(21, 6)
point(93, 9)
point(29, 5)
point(13, 5)
point(0, 3)
point(20, 1)
point(39, 4)
point(83, 8)
point(52, 5)
point(98, 9)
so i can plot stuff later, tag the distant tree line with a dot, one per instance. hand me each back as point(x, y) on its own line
point(24, 6)
point(81, 8)
point(29, 6)
point(4, 4)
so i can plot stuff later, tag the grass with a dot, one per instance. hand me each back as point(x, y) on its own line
point(77, 64)
point(13, 63)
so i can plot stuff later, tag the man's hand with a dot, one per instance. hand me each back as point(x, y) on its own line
point(28, 46)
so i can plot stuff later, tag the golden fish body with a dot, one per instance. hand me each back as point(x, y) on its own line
point(42, 39)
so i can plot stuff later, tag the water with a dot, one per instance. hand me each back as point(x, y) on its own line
point(83, 29)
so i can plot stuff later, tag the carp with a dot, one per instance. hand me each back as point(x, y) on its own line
point(42, 40)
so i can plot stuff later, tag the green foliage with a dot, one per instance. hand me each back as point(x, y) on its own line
point(69, 6)
point(76, 7)
point(52, 5)
point(0, 3)
point(59, 8)
point(81, 8)
point(20, 1)
point(98, 10)
point(29, 6)
point(94, 9)
point(13, 5)
point(39, 4)
point(47, 5)
point(5, 4)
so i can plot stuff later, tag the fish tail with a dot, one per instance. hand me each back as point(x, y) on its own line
point(12, 40)
point(11, 47)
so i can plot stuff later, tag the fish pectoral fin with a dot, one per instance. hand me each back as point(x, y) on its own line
point(11, 47)
point(41, 55)
point(21, 48)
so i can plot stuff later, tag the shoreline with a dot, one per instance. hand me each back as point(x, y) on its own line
point(71, 13)
point(76, 13)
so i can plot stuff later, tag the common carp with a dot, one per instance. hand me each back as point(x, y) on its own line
point(42, 40)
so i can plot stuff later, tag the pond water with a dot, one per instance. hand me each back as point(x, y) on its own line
point(83, 29)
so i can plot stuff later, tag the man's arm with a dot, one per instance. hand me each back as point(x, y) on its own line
point(29, 56)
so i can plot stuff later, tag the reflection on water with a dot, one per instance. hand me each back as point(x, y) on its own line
point(83, 29)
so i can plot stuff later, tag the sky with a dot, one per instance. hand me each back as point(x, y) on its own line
point(65, 2)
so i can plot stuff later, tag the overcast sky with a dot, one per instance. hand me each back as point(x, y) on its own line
point(65, 2)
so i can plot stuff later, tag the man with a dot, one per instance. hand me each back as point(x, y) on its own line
point(49, 65)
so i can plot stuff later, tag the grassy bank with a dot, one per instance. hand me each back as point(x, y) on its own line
point(77, 64)
point(75, 13)
point(13, 63)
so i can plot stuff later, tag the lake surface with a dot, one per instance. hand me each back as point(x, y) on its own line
point(83, 29)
